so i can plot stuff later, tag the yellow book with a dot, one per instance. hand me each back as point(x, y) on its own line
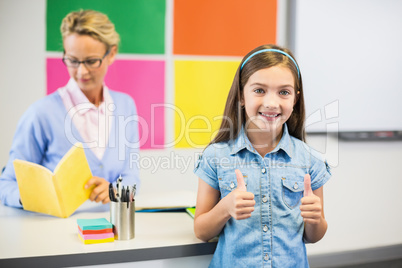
point(57, 193)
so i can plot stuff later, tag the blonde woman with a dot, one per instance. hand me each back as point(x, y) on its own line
point(84, 110)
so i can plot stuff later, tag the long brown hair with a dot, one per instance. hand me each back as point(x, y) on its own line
point(234, 116)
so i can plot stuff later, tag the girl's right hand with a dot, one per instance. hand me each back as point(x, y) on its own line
point(240, 203)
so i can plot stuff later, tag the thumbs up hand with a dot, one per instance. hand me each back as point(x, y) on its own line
point(240, 203)
point(241, 185)
point(311, 205)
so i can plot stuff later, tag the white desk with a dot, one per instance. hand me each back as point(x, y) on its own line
point(36, 240)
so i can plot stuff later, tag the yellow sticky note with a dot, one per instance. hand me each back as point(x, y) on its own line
point(95, 241)
point(201, 90)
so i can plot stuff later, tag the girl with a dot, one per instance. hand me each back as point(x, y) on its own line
point(261, 186)
point(84, 110)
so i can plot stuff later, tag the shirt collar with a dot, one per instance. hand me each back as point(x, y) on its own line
point(78, 97)
point(242, 142)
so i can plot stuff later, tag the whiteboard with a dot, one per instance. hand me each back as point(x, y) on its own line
point(350, 57)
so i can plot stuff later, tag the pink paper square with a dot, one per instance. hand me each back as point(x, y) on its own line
point(143, 80)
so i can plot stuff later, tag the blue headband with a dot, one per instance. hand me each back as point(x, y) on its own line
point(272, 50)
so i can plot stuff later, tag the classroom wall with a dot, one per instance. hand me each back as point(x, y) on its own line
point(22, 63)
point(362, 200)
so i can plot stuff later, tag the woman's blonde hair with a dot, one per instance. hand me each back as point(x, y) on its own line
point(92, 23)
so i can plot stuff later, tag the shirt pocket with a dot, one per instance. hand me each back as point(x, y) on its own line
point(228, 182)
point(292, 191)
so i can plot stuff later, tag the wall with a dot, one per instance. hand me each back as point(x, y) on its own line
point(22, 54)
point(362, 199)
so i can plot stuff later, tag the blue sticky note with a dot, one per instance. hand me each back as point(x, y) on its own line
point(94, 224)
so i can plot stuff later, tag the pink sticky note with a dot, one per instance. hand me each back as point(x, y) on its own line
point(143, 80)
point(96, 236)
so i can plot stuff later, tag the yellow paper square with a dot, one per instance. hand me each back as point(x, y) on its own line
point(201, 90)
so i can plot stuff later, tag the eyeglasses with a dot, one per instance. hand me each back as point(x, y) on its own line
point(89, 63)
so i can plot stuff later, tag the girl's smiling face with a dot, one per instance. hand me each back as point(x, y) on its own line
point(268, 97)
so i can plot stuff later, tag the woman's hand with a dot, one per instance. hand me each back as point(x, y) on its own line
point(101, 191)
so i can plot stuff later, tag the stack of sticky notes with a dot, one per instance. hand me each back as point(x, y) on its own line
point(92, 231)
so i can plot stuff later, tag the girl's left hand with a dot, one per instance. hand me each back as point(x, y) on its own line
point(101, 191)
point(311, 205)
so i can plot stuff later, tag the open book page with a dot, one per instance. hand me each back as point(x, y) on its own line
point(37, 191)
point(71, 175)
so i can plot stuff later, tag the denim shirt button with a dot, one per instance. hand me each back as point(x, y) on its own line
point(296, 186)
point(232, 185)
point(266, 257)
point(264, 199)
point(265, 229)
point(263, 170)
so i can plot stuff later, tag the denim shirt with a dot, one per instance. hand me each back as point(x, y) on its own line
point(273, 235)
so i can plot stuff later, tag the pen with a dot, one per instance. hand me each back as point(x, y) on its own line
point(127, 194)
point(123, 195)
point(111, 193)
point(134, 190)
point(131, 194)
point(119, 180)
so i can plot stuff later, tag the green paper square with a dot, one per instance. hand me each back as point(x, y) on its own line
point(140, 23)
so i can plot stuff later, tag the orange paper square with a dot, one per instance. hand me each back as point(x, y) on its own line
point(224, 27)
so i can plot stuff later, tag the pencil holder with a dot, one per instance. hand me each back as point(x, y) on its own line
point(122, 216)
